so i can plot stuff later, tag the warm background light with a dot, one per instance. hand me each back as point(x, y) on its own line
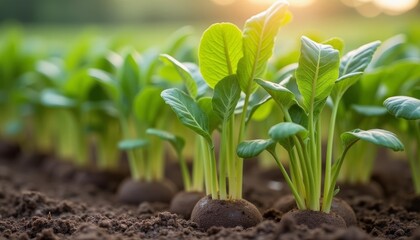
point(223, 2)
point(372, 8)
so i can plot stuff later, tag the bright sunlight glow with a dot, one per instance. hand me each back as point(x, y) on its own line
point(296, 3)
point(396, 7)
point(223, 2)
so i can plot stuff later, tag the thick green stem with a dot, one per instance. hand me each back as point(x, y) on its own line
point(298, 199)
point(206, 160)
point(415, 161)
point(328, 160)
point(198, 167)
point(224, 160)
point(134, 168)
point(213, 172)
point(315, 195)
point(239, 161)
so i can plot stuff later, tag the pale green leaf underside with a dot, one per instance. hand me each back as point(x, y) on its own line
point(252, 148)
point(358, 59)
point(219, 52)
point(184, 73)
point(187, 111)
point(130, 144)
point(317, 72)
point(258, 42)
point(284, 130)
point(226, 96)
point(368, 110)
point(403, 107)
point(376, 136)
point(281, 95)
point(344, 83)
point(177, 142)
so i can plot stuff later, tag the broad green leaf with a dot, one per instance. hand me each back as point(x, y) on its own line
point(178, 39)
point(369, 111)
point(298, 115)
point(253, 148)
point(130, 144)
point(316, 74)
point(129, 78)
point(256, 100)
point(177, 142)
point(336, 43)
point(261, 111)
point(281, 95)
point(403, 107)
point(107, 81)
point(184, 73)
point(219, 52)
point(285, 130)
point(226, 96)
point(78, 85)
point(187, 111)
point(206, 104)
point(389, 51)
point(258, 41)
point(344, 83)
point(51, 98)
point(148, 105)
point(376, 136)
point(358, 59)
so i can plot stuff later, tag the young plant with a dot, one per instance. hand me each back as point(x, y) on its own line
point(139, 107)
point(184, 201)
point(392, 72)
point(320, 75)
point(229, 62)
point(408, 108)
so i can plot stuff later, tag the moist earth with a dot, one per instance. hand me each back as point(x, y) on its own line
point(44, 198)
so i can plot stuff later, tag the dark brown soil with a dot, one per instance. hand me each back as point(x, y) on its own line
point(40, 198)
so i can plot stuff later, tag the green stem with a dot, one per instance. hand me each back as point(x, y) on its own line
point(134, 168)
point(206, 161)
point(415, 163)
point(223, 160)
point(335, 171)
point(198, 167)
point(299, 201)
point(239, 162)
point(328, 160)
point(315, 195)
point(213, 172)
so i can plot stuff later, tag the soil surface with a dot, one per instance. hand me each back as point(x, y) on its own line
point(43, 198)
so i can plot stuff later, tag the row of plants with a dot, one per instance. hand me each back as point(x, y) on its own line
point(109, 100)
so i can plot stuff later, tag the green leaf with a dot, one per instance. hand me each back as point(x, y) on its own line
point(403, 107)
point(226, 96)
point(219, 52)
point(285, 130)
point(107, 82)
point(358, 59)
point(256, 101)
point(258, 41)
point(369, 111)
point(206, 104)
point(316, 74)
point(130, 144)
point(389, 51)
point(78, 85)
point(253, 148)
point(336, 43)
point(187, 111)
point(129, 78)
point(281, 95)
point(51, 98)
point(184, 73)
point(344, 83)
point(148, 105)
point(177, 142)
point(376, 136)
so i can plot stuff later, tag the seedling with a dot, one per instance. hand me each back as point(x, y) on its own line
point(319, 75)
point(408, 108)
point(229, 70)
